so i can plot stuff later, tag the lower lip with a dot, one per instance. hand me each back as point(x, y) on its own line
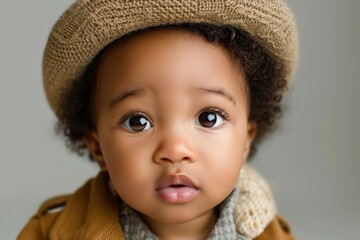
point(177, 195)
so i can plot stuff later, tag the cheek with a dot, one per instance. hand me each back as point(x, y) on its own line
point(225, 158)
point(128, 165)
point(228, 145)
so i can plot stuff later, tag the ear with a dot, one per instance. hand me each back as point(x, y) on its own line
point(92, 142)
point(251, 134)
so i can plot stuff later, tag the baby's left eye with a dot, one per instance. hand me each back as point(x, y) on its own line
point(209, 119)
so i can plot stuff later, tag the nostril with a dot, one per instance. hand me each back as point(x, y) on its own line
point(176, 160)
point(186, 159)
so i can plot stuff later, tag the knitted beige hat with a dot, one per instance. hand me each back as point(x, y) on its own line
point(89, 25)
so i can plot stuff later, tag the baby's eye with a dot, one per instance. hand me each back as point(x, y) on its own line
point(137, 123)
point(209, 119)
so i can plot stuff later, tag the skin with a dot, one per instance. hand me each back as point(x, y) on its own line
point(168, 78)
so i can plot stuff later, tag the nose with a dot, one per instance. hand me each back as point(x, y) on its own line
point(174, 147)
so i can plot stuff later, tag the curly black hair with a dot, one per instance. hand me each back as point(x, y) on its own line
point(265, 79)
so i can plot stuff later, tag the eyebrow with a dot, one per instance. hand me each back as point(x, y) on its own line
point(124, 95)
point(219, 91)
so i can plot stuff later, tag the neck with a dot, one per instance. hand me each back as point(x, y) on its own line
point(195, 229)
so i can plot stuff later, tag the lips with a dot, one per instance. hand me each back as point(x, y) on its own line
point(177, 189)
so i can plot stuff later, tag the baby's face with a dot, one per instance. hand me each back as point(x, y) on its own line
point(172, 124)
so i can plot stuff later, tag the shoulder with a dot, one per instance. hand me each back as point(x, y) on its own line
point(255, 210)
point(60, 217)
point(40, 224)
point(44, 220)
point(277, 229)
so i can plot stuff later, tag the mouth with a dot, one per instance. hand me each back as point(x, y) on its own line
point(177, 189)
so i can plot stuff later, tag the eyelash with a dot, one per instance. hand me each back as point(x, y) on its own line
point(131, 114)
point(217, 110)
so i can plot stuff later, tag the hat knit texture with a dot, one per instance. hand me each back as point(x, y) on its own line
point(87, 26)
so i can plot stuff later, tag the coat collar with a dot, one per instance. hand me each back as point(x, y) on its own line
point(90, 213)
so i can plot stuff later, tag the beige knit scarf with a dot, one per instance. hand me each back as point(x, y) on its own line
point(255, 207)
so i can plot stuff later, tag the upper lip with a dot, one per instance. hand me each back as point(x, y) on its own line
point(178, 180)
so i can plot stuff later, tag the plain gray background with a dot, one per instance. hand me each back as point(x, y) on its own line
point(312, 162)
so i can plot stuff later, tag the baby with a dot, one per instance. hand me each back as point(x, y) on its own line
point(170, 98)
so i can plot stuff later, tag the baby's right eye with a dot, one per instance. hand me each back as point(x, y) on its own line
point(136, 123)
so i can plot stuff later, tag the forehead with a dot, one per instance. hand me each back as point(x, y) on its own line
point(151, 44)
point(164, 55)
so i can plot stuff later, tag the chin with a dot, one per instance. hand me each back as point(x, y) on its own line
point(178, 216)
